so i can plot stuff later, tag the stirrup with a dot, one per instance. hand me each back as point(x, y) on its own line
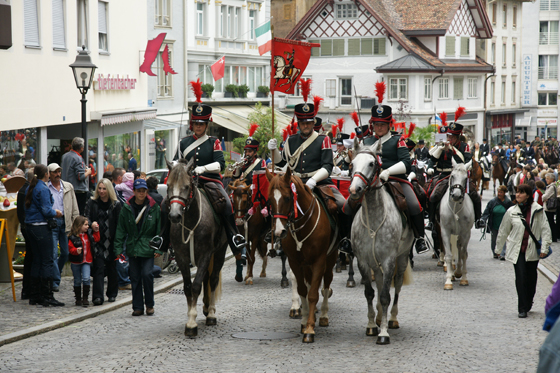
point(429, 226)
point(345, 246)
point(420, 246)
point(156, 243)
point(239, 241)
point(268, 237)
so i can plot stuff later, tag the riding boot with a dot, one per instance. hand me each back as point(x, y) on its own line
point(78, 295)
point(236, 241)
point(432, 206)
point(85, 297)
point(239, 270)
point(418, 223)
point(345, 244)
point(475, 198)
point(47, 292)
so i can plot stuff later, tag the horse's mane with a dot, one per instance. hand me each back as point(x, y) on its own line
point(178, 173)
point(278, 183)
point(460, 167)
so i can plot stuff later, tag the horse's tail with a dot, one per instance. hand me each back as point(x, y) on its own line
point(218, 291)
point(407, 276)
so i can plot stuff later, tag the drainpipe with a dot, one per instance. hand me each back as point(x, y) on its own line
point(485, 100)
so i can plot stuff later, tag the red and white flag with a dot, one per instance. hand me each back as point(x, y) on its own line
point(218, 68)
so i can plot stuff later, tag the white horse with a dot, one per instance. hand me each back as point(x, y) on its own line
point(380, 240)
point(456, 210)
point(292, 75)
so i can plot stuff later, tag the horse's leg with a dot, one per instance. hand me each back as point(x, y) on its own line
point(191, 329)
point(464, 255)
point(284, 282)
point(351, 283)
point(250, 261)
point(369, 293)
point(213, 286)
point(402, 264)
point(338, 262)
point(326, 292)
point(295, 310)
point(384, 287)
point(314, 276)
point(264, 264)
point(448, 259)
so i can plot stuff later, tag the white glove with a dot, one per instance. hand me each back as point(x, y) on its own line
point(199, 170)
point(272, 144)
point(430, 171)
point(436, 151)
point(384, 175)
point(411, 176)
point(344, 173)
point(336, 171)
point(311, 183)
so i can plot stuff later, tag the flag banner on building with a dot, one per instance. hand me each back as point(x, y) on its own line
point(218, 68)
point(289, 60)
point(264, 38)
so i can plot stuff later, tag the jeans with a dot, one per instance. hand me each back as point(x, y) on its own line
point(493, 243)
point(59, 238)
point(81, 273)
point(142, 280)
point(525, 282)
point(100, 267)
point(40, 238)
point(550, 217)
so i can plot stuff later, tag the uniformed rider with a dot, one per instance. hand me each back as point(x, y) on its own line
point(252, 162)
point(209, 162)
point(440, 162)
point(501, 153)
point(341, 159)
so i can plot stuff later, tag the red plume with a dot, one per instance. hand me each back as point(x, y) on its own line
point(443, 117)
point(340, 124)
point(352, 135)
point(285, 133)
point(305, 88)
point(459, 113)
point(197, 89)
point(410, 130)
point(334, 130)
point(355, 118)
point(294, 127)
point(380, 91)
point(317, 103)
point(252, 129)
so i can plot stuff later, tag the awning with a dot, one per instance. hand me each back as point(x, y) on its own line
point(235, 117)
point(160, 125)
point(123, 116)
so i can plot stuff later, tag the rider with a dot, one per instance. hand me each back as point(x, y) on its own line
point(341, 155)
point(440, 161)
point(209, 161)
point(252, 161)
point(528, 153)
point(421, 152)
point(501, 153)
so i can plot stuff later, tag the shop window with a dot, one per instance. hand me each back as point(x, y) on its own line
point(548, 98)
point(18, 150)
point(118, 147)
point(162, 139)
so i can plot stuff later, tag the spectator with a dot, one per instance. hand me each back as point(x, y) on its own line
point(138, 222)
point(65, 201)
point(93, 176)
point(28, 260)
point(152, 183)
point(81, 242)
point(137, 174)
point(132, 165)
point(510, 150)
point(548, 194)
point(143, 175)
point(20, 169)
point(126, 186)
point(75, 172)
point(493, 215)
point(122, 265)
point(520, 248)
point(11, 168)
point(38, 210)
point(117, 177)
point(108, 175)
point(539, 191)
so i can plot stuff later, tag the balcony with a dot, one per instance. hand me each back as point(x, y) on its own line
point(548, 38)
point(550, 72)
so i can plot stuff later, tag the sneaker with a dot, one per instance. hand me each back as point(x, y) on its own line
point(502, 257)
point(126, 287)
point(111, 299)
point(97, 302)
point(522, 315)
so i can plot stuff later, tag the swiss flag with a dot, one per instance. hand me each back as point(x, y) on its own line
point(218, 68)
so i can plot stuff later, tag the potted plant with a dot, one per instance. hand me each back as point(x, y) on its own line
point(17, 264)
point(243, 89)
point(207, 90)
point(231, 91)
point(263, 91)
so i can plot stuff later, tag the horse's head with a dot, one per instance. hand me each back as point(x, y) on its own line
point(366, 166)
point(179, 188)
point(458, 181)
point(240, 198)
point(281, 197)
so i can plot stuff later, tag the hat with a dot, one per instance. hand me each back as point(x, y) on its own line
point(381, 113)
point(53, 167)
point(318, 126)
point(128, 176)
point(362, 131)
point(139, 184)
point(304, 111)
point(421, 142)
point(484, 140)
point(200, 112)
point(340, 137)
point(252, 143)
point(454, 128)
point(409, 143)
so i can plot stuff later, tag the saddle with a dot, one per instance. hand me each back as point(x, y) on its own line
point(395, 190)
point(327, 195)
point(217, 200)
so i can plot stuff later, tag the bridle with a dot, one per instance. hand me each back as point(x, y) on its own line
point(456, 186)
point(242, 213)
point(185, 202)
point(372, 181)
point(291, 217)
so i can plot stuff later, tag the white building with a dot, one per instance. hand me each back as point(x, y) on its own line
point(426, 52)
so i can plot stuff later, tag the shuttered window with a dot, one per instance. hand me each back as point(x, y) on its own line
point(353, 47)
point(326, 47)
point(367, 47)
point(102, 25)
point(82, 24)
point(315, 52)
point(379, 46)
point(465, 47)
point(59, 34)
point(31, 23)
point(450, 46)
point(338, 47)
point(457, 88)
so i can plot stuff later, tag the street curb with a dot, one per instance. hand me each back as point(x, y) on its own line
point(547, 273)
point(94, 312)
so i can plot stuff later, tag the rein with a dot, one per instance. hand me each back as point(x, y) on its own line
point(450, 199)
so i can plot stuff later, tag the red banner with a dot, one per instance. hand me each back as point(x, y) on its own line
point(289, 60)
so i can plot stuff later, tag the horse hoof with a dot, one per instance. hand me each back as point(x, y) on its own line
point(191, 332)
point(338, 270)
point(434, 256)
point(323, 321)
point(439, 263)
point(308, 338)
point(284, 283)
point(211, 321)
point(343, 267)
point(453, 278)
point(302, 330)
point(464, 283)
point(444, 268)
point(458, 275)
point(372, 332)
point(383, 341)
point(350, 284)
point(448, 287)
point(295, 314)
point(263, 274)
point(249, 282)
point(393, 324)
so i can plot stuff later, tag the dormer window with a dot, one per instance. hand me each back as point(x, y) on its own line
point(346, 11)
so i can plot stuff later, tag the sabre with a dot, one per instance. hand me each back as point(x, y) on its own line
point(357, 105)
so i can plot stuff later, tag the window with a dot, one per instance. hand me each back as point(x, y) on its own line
point(398, 89)
point(504, 55)
point(346, 11)
point(427, 88)
point(287, 12)
point(548, 33)
point(252, 14)
point(296, 87)
point(450, 46)
point(59, 30)
point(493, 54)
point(338, 47)
point(465, 46)
point(492, 93)
point(330, 87)
point(326, 47)
point(473, 88)
point(379, 47)
point(82, 23)
point(548, 67)
point(364, 47)
point(514, 17)
point(346, 91)
point(444, 88)
point(513, 91)
point(102, 25)
point(31, 22)
point(503, 100)
point(548, 98)
point(230, 22)
point(164, 81)
point(513, 55)
point(549, 5)
point(222, 20)
point(200, 19)
point(504, 15)
point(163, 13)
point(236, 23)
point(494, 11)
point(458, 88)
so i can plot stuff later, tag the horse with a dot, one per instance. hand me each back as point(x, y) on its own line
point(381, 240)
point(551, 155)
point(498, 172)
point(292, 75)
point(476, 174)
point(197, 239)
point(310, 244)
point(456, 210)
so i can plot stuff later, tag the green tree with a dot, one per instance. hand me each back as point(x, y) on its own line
point(263, 117)
point(426, 133)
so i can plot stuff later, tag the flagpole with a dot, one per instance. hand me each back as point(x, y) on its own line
point(272, 90)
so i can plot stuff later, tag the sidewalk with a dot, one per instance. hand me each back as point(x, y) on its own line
point(552, 263)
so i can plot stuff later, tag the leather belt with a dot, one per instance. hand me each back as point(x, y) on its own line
point(305, 175)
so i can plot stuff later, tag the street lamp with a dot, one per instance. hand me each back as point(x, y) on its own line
point(83, 70)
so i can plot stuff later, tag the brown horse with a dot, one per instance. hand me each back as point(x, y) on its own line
point(551, 156)
point(476, 174)
point(302, 223)
point(498, 172)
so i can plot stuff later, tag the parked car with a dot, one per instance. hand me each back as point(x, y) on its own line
point(161, 175)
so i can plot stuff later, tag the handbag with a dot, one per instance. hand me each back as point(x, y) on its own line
point(552, 203)
point(538, 243)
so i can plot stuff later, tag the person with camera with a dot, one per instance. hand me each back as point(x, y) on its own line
point(39, 220)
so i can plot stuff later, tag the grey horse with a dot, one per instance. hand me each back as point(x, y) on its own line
point(196, 238)
point(456, 210)
point(380, 240)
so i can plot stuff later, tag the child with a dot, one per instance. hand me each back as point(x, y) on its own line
point(80, 246)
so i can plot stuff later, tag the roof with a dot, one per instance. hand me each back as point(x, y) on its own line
point(408, 63)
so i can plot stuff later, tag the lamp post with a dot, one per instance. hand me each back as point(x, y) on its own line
point(83, 70)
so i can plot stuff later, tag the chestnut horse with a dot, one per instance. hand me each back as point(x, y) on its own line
point(476, 174)
point(310, 244)
point(498, 172)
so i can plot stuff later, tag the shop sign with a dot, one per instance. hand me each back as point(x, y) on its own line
point(115, 83)
point(548, 86)
point(542, 122)
point(526, 74)
point(547, 113)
